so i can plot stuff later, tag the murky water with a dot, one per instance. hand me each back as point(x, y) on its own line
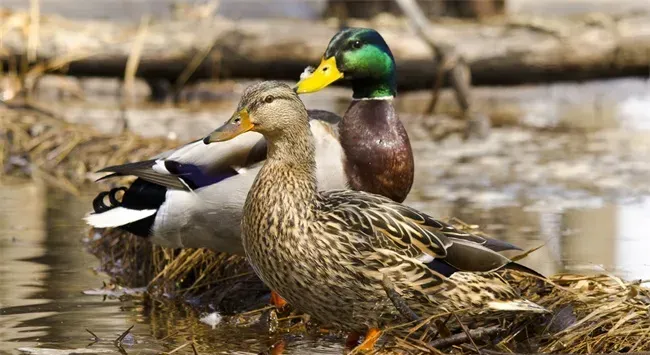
point(584, 194)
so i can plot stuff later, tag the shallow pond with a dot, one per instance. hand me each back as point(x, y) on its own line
point(582, 194)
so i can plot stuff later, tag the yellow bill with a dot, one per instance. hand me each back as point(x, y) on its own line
point(324, 75)
point(239, 123)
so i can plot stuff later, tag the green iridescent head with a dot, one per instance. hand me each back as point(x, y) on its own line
point(359, 55)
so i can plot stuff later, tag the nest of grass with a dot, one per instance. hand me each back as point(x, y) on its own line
point(588, 313)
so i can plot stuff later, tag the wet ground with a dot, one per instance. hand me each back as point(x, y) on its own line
point(568, 170)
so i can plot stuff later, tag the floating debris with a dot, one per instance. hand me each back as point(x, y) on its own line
point(115, 291)
point(211, 319)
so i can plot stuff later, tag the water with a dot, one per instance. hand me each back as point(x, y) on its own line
point(584, 194)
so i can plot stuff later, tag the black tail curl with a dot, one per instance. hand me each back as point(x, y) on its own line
point(99, 205)
point(141, 195)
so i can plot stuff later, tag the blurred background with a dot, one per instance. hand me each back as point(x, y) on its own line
point(529, 119)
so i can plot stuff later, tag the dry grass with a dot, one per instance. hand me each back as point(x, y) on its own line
point(201, 276)
point(64, 154)
point(589, 313)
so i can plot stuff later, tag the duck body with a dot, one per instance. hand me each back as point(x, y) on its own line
point(329, 258)
point(327, 252)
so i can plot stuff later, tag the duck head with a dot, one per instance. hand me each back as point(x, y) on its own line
point(269, 108)
point(359, 55)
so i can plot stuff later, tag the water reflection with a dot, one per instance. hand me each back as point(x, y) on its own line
point(43, 271)
point(21, 241)
point(611, 238)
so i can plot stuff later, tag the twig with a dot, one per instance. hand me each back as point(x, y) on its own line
point(194, 349)
point(466, 331)
point(257, 310)
point(118, 341)
point(33, 36)
point(170, 335)
point(446, 57)
point(437, 332)
point(28, 104)
point(526, 253)
point(93, 334)
point(435, 91)
point(134, 57)
point(178, 348)
point(398, 301)
point(194, 63)
point(461, 338)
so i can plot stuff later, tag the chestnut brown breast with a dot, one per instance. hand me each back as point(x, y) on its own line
point(379, 158)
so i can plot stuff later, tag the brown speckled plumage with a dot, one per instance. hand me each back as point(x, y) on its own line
point(327, 252)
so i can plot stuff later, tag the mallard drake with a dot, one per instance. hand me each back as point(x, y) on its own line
point(371, 126)
point(328, 252)
point(177, 193)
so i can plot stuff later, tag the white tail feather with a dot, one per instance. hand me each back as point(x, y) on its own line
point(517, 305)
point(116, 217)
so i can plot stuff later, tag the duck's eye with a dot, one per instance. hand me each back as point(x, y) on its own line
point(269, 99)
point(356, 44)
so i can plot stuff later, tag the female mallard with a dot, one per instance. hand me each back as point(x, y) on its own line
point(179, 192)
point(328, 252)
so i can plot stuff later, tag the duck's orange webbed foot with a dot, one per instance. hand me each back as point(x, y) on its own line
point(277, 300)
point(372, 335)
point(278, 348)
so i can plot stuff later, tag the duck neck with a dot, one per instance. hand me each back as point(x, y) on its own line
point(289, 173)
point(373, 88)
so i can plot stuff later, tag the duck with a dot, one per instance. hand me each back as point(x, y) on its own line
point(178, 193)
point(371, 126)
point(328, 252)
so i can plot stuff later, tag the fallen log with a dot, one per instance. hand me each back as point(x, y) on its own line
point(508, 52)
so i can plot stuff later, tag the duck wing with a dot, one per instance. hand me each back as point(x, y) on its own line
point(196, 164)
point(410, 233)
